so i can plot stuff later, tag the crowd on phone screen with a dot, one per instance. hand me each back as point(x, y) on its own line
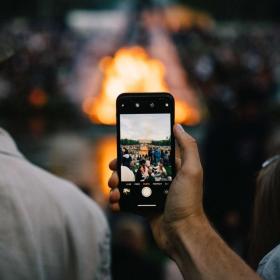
point(153, 166)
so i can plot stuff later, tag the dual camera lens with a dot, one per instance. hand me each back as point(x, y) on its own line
point(152, 105)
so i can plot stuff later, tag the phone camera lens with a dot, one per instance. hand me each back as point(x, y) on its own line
point(137, 105)
point(166, 104)
point(122, 105)
point(152, 105)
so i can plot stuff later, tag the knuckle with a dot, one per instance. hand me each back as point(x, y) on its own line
point(111, 199)
point(193, 171)
point(196, 172)
point(184, 169)
point(113, 180)
point(112, 173)
point(109, 181)
point(192, 141)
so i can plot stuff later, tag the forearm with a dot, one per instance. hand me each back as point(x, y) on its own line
point(201, 254)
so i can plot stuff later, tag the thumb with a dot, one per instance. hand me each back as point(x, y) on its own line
point(188, 148)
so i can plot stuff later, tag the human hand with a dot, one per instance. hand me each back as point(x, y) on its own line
point(184, 200)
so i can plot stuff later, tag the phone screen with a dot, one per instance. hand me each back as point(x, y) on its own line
point(145, 142)
point(145, 149)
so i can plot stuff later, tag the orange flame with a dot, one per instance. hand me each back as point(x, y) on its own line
point(131, 70)
point(106, 151)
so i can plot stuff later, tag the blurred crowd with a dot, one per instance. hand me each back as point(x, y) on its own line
point(36, 76)
point(236, 69)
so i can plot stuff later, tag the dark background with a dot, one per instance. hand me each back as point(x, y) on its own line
point(233, 65)
point(226, 10)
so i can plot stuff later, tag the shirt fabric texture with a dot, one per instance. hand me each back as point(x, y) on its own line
point(269, 266)
point(48, 228)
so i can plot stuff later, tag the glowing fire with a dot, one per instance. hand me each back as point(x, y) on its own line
point(106, 151)
point(131, 70)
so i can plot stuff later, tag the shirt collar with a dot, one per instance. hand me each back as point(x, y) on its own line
point(8, 145)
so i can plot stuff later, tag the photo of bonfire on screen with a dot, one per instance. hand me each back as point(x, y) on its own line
point(145, 147)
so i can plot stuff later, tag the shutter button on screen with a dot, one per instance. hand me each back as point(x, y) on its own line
point(146, 191)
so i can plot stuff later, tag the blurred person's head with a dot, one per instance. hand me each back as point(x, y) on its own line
point(132, 163)
point(130, 234)
point(142, 162)
point(265, 233)
point(148, 163)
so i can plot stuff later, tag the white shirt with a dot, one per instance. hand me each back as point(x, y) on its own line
point(48, 228)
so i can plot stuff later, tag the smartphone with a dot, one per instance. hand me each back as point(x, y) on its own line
point(146, 150)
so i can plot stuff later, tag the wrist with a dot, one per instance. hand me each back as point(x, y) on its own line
point(183, 233)
point(182, 238)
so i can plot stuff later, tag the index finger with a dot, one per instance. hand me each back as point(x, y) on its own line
point(113, 165)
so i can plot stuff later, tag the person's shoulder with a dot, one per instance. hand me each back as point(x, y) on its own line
point(67, 194)
point(29, 184)
point(269, 266)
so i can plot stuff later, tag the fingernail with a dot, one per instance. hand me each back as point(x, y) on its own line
point(180, 128)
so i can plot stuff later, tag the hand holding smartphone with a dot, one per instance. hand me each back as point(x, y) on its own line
point(146, 150)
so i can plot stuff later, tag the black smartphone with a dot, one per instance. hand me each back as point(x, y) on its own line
point(146, 150)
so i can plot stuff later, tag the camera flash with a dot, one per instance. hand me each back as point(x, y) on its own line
point(137, 105)
point(122, 105)
point(166, 104)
